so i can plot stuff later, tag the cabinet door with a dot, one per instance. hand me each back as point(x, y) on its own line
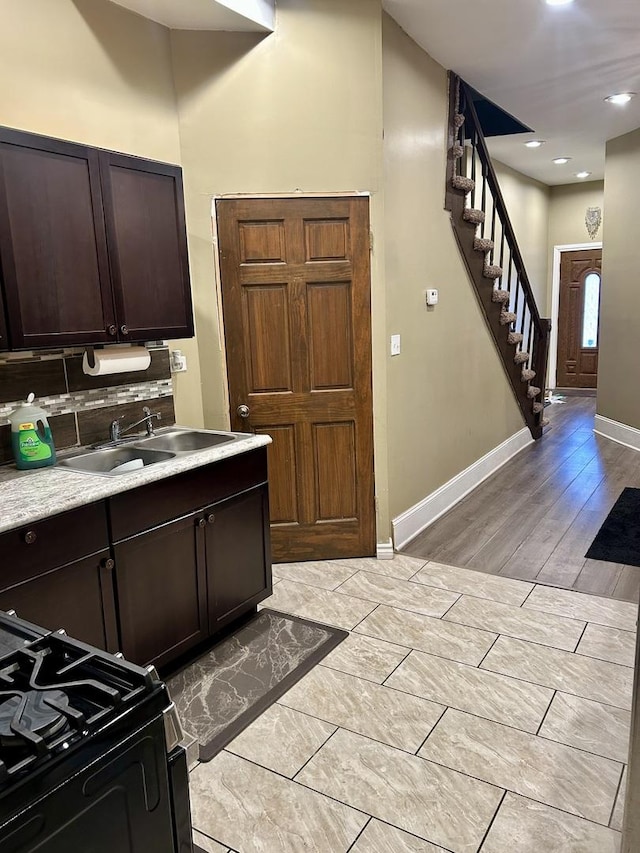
point(144, 209)
point(4, 341)
point(53, 251)
point(161, 591)
point(238, 561)
point(77, 597)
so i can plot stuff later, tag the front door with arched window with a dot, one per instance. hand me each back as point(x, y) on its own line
point(579, 318)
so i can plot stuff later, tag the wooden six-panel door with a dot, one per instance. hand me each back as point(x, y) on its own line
point(296, 304)
point(578, 318)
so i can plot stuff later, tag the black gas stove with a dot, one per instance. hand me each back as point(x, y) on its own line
point(90, 759)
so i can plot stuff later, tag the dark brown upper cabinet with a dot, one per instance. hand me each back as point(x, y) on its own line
point(53, 248)
point(147, 239)
point(93, 245)
point(4, 343)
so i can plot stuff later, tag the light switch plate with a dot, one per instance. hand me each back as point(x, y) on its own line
point(432, 297)
point(395, 344)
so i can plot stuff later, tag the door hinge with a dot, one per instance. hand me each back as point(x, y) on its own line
point(371, 241)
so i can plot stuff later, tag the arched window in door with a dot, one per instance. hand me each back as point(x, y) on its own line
point(591, 312)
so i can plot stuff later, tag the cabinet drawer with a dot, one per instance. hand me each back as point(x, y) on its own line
point(28, 551)
point(149, 506)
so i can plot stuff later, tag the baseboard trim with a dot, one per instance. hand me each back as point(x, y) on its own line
point(408, 524)
point(616, 431)
point(384, 550)
point(575, 392)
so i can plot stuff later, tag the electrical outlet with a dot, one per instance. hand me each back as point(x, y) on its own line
point(178, 361)
point(395, 344)
point(432, 297)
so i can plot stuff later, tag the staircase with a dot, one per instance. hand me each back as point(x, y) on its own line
point(488, 246)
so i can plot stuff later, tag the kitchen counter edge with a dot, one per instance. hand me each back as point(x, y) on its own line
point(28, 496)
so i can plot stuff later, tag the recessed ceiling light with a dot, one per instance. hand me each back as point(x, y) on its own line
point(560, 161)
point(582, 174)
point(621, 98)
point(558, 2)
point(534, 143)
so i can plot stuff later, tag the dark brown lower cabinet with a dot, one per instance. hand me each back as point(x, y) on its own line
point(183, 581)
point(77, 597)
point(181, 558)
point(161, 591)
point(238, 562)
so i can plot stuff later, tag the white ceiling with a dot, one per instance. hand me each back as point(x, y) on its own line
point(229, 15)
point(550, 67)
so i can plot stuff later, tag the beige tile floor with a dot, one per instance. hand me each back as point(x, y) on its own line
point(464, 714)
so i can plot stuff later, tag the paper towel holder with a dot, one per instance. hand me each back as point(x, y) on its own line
point(121, 358)
point(91, 357)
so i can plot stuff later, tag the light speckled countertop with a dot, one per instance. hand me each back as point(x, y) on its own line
point(27, 496)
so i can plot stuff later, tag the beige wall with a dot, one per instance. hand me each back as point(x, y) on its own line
point(448, 399)
point(618, 396)
point(88, 71)
point(299, 110)
point(527, 201)
point(91, 72)
point(569, 203)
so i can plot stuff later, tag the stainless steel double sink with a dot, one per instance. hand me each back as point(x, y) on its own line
point(132, 454)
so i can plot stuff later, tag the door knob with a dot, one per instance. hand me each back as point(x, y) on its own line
point(243, 411)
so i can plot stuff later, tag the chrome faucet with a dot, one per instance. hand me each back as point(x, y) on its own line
point(116, 433)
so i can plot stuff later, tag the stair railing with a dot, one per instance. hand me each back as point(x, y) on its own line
point(521, 334)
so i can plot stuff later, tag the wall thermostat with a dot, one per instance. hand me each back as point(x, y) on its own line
point(432, 297)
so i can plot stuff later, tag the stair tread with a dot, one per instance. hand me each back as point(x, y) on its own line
point(483, 244)
point(460, 182)
point(472, 214)
point(492, 271)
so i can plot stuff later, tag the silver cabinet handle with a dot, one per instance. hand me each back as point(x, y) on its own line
point(243, 411)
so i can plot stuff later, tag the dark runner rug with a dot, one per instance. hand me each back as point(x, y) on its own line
point(618, 540)
point(223, 691)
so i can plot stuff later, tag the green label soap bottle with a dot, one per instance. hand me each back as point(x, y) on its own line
point(31, 438)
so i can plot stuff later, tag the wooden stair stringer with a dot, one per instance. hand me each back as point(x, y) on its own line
point(474, 262)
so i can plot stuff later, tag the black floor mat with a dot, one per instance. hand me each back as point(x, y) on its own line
point(618, 540)
point(223, 691)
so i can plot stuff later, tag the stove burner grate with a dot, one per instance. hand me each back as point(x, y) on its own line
point(54, 692)
point(32, 714)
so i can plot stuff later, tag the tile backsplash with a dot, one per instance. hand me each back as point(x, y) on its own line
point(81, 407)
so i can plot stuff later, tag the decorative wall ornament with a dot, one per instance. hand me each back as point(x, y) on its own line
point(593, 220)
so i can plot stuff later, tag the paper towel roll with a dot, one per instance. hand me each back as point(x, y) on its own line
point(116, 360)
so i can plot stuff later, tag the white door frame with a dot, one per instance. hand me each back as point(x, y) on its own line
point(555, 303)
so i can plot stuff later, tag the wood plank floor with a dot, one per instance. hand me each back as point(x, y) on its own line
point(536, 517)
